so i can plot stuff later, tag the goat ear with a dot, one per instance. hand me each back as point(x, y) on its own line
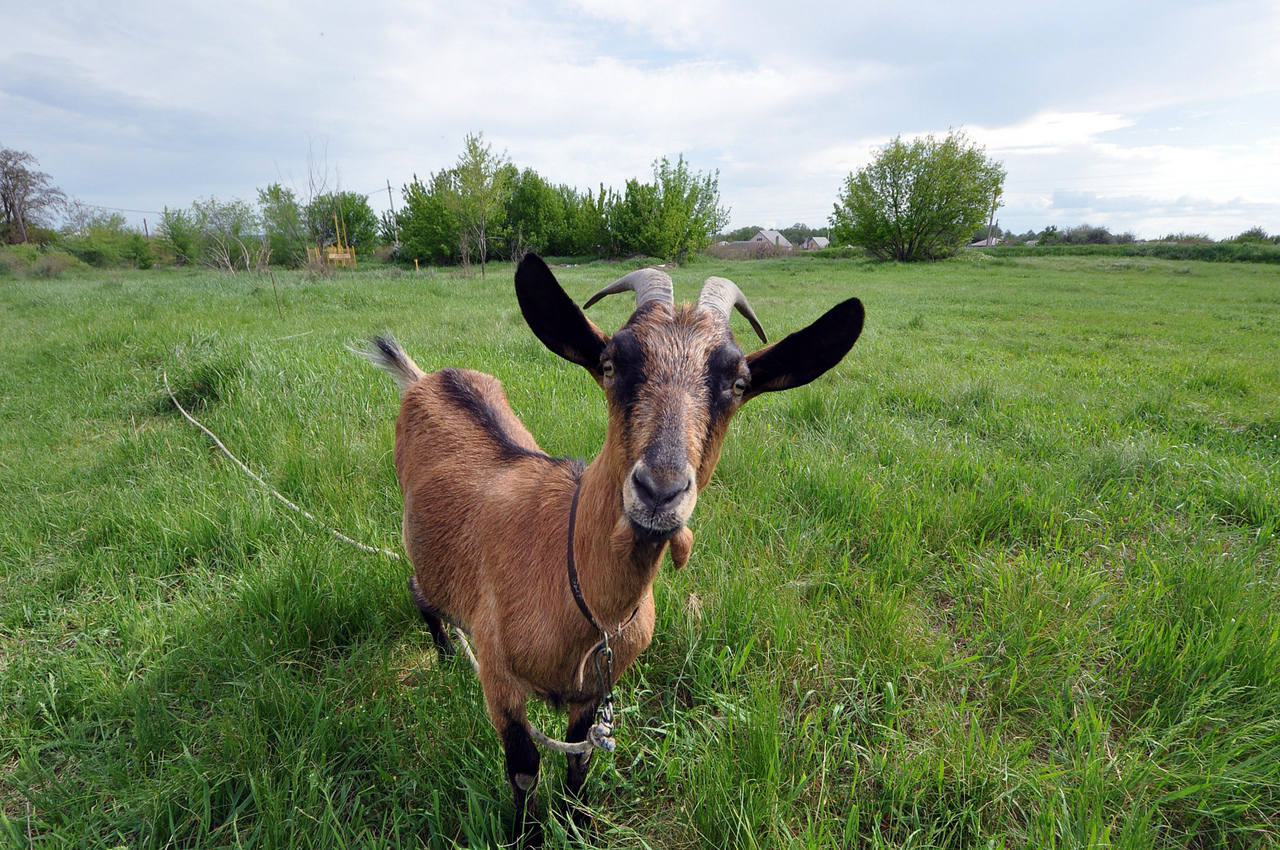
point(804, 355)
point(554, 318)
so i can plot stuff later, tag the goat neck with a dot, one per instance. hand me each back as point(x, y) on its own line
point(616, 566)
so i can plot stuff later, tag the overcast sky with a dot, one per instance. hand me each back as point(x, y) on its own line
point(1150, 117)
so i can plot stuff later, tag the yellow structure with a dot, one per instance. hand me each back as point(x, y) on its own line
point(341, 253)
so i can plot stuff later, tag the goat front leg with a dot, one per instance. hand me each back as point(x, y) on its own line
point(581, 717)
point(507, 711)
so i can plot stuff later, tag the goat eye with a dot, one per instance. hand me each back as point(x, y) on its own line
point(739, 387)
point(606, 368)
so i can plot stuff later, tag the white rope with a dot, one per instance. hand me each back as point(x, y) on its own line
point(551, 743)
point(247, 471)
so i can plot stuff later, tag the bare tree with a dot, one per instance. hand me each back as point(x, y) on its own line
point(230, 234)
point(26, 195)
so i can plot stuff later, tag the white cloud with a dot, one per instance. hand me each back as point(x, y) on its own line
point(153, 104)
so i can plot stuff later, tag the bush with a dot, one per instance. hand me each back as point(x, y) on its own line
point(918, 201)
point(1256, 236)
point(748, 251)
point(11, 265)
point(1087, 234)
point(178, 237)
point(138, 251)
point(99, 248)
point(54, 264)
point(1187, 238)
point(1211, 252)
point(17, 259)
point(105, 240)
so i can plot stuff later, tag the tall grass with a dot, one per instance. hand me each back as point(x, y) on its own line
point(1007, 577)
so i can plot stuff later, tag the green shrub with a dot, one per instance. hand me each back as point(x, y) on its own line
point(137, 250)
point(98, 248)
point(11, 265)
point(1212, 252)
point(17, 259)
point(105, 240)
point(842, 252)
point(54, 264)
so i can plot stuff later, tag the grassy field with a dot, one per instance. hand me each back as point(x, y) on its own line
point(1007, 577)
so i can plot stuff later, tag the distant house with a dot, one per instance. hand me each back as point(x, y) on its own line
point(772, 237)
point(986, 243)
point(815, 243)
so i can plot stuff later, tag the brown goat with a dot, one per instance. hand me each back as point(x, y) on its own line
point(487, 515)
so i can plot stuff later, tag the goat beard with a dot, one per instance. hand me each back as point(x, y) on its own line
point(627, 537)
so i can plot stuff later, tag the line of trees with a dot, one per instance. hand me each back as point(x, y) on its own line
point(481, 208)
point(485, 206)
point(916, 200)
point(795, 234)
point(236, 235)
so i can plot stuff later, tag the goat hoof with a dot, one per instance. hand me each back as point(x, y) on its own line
point(527, 834)
point(582, 819)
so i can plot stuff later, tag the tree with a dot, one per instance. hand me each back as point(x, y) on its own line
point(1087, 234)
point(676, 215)
point(535, 214)
point(799, 232)
point(285, 224)
point(1255, 235)
point(481, 184)
point(26, 196)
point(918, 201)
point(349, 211)
point(587, 231)
point(221, 235)
point(742, 234)
point(636, 221)
point(427, 224)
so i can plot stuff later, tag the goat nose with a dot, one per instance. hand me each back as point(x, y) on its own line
point(659, 491)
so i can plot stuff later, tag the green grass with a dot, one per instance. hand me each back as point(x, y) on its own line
point(1007, 577)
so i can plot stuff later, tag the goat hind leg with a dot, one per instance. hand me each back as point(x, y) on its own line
point(432, 617)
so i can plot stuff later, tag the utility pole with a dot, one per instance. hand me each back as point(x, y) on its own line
point(392, 201)
point(995, 202)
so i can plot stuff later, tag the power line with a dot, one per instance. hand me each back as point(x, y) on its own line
point(119, 209)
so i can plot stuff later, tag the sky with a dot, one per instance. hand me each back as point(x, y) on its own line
point(1144, 117)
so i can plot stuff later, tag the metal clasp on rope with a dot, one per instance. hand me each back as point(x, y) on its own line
point(601, 734)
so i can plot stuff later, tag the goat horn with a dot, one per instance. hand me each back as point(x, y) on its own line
point(648, 285)
point(723, 296)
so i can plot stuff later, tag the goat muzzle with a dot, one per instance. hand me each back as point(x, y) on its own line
point(658, 501)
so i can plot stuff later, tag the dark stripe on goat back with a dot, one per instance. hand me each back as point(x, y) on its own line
point(459, 390)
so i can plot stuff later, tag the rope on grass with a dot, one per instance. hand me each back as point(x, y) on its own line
point(551, 743)
point(373, 550)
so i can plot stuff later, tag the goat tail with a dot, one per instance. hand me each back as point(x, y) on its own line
point(385, 353)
